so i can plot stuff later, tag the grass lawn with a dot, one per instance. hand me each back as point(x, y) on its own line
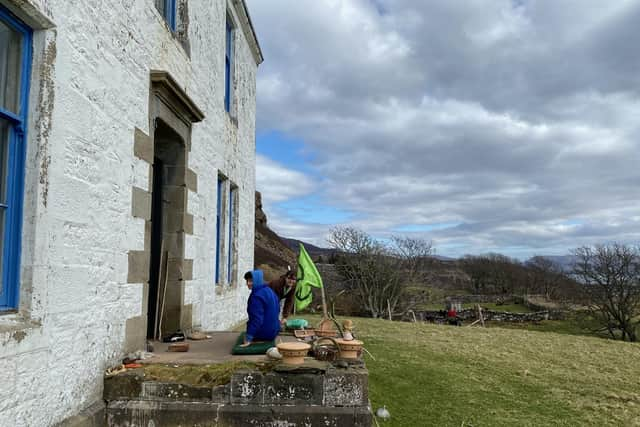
point(436, 375)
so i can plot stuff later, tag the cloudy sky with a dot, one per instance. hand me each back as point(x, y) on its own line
point(484, 125)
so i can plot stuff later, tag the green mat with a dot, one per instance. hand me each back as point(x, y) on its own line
point(260, 347)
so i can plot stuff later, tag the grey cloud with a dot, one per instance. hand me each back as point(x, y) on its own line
point(509, 118)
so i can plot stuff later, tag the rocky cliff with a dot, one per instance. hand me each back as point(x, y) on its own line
point(271, 254)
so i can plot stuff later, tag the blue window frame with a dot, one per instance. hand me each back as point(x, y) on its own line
point(219, 226)
point(228, 64)
point(15, 72)
point(232, 218)
point(168, 10)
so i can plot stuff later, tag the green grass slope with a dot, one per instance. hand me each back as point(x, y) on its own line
point(436, 375)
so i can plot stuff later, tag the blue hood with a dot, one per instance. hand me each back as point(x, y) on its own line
point(258, 278)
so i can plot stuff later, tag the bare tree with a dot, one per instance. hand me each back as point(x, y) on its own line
point(376, 272)
point(610, 275)
point(546, 276)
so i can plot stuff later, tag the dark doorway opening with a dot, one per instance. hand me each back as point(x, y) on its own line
point(168, 202)
point(156, 250)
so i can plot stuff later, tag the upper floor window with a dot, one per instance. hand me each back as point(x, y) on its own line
point(167, 9)
point(228, 65)
point(15, 72)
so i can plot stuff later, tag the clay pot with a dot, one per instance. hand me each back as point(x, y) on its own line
point(349, 349)
point(293, 353)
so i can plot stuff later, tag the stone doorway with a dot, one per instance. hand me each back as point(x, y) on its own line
point(164, 208)
point(168, 206)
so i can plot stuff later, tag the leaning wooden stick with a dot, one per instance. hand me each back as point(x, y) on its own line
point(158, 290)
point(164, 293)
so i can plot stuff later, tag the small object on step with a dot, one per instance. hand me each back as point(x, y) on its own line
point(144, 355)
point(132, 365)
point(128, 360)
point(150, 347)
point(347, 327)
point(273, 353)
point(115, 371)
point(180, 347)
point(175, 337)
point(197, 336)
point(383, 413)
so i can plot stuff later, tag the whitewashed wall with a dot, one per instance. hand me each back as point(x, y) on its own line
point(90, 89)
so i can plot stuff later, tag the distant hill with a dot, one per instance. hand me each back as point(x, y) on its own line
point(313, 250)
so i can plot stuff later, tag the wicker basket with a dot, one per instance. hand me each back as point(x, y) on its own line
point(326, 349)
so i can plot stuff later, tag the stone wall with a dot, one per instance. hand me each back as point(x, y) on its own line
point(321, 397)
point(440, 316)
point(90, 91)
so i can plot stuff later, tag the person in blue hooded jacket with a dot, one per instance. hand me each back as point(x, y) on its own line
point(263, 309)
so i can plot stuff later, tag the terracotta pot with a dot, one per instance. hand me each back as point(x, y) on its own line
point(349, 349)
point(293, 353)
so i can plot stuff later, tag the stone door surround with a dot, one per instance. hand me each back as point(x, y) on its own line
point(169, 103)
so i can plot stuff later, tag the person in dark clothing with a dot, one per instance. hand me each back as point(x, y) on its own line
point(285, 289)
point(263, 308)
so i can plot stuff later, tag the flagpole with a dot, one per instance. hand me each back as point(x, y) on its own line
point(324, 303)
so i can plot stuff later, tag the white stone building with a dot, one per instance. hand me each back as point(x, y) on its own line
point(127, 161)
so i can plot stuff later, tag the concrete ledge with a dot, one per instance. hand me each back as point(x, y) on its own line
point(124, 386)
point(210, 414)
point(346, 387)
point(316, 394)
point(292, 389)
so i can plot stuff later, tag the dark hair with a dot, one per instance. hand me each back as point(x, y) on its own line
point(289, 274)
point(248, 276)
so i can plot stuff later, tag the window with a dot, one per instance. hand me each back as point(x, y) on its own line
point(219, 226)
point(228, 65)
point(15, 71)
point(167, 9)
point(233, 193)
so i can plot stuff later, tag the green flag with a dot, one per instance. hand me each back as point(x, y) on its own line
point(308, 277)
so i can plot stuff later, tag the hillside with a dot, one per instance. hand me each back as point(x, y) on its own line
point(271, 254)
point(436, 375)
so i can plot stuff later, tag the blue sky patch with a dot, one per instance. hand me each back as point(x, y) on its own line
point(311, 210)
point(290, 152)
